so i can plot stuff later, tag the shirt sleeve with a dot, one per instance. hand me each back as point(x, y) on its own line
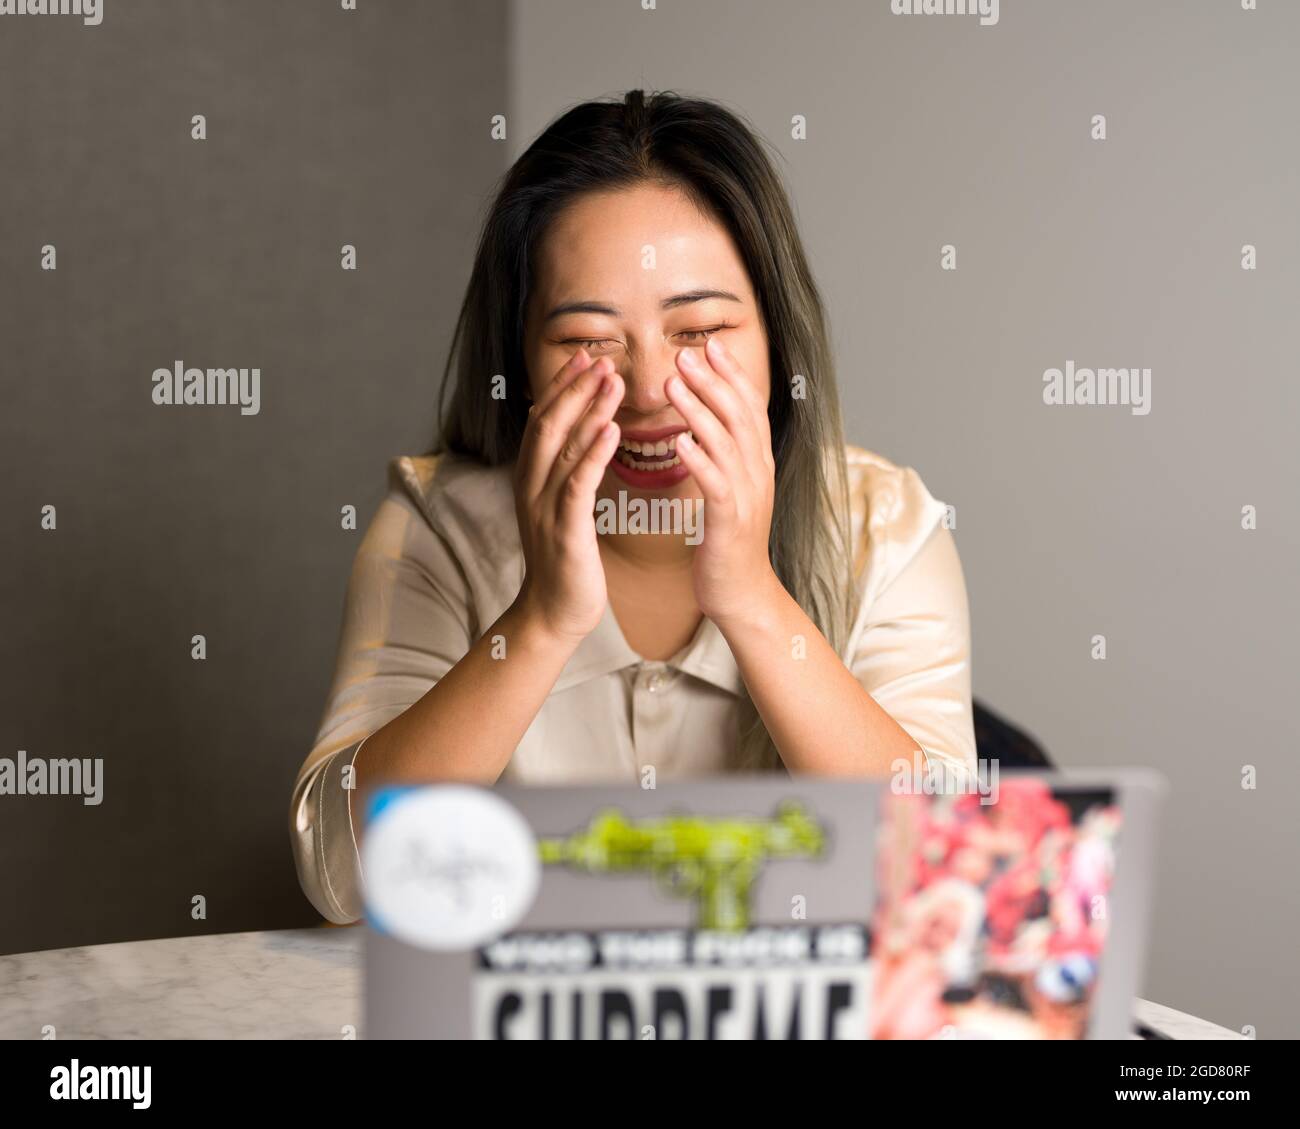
point(912, 653)
point(406, 622)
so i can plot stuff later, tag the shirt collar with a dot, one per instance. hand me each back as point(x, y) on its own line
point(706, 657)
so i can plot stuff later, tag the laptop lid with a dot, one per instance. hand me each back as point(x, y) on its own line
point(758, 907)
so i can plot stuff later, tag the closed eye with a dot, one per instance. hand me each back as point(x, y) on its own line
point(692, 336)
point(703, 334)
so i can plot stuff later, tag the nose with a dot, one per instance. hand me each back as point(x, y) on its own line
point(645, 372)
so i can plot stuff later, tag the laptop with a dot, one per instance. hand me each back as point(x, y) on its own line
point(760, 907)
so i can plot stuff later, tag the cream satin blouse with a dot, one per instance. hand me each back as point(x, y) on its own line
point(441, 562)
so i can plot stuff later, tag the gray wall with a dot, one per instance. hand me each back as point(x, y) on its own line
point(369, 128)
point(325, 127)
point(1072, 521)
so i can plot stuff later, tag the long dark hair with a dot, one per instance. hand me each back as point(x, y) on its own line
point(710, 154)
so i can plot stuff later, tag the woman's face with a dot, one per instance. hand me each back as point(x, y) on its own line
point(638, 275)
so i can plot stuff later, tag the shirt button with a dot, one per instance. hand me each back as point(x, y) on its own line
point(654, 682)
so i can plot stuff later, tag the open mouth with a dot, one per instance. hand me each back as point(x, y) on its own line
point(658, 455)
point(650, 463)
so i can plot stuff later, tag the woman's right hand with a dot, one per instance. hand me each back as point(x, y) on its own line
point(568, 441)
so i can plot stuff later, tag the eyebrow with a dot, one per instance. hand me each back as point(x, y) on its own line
point(684, 299)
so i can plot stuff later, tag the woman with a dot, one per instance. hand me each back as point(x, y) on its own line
point(641, 325)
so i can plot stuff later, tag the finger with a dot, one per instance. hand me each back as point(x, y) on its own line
point(564, 375)
point(713, 484)
point(722, 399)
point(725, 364)
point(707, 428)
point(584, 432)
point(550, 427)
point(577, 500)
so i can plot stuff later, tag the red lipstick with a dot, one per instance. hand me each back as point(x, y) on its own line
point(654, 472)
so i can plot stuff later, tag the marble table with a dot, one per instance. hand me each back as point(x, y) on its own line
point(281, 984)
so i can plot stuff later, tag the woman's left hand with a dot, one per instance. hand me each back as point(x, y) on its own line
point(731, 461)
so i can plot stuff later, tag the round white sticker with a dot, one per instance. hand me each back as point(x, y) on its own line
point(449, 867)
